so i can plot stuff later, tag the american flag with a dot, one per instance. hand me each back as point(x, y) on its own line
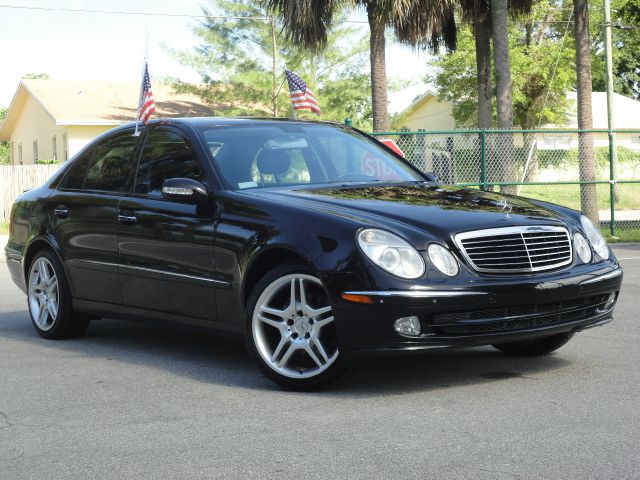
point(147, 104)
point(302, 98)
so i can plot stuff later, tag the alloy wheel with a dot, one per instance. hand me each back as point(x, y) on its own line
point(44, 294)
point(293, 327)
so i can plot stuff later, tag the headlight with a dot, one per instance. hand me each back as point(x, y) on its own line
point(596, 239)
point(442, 259)
point(582, 247)
point(391, 253)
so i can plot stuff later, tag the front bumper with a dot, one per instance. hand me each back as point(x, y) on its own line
point(482, 313)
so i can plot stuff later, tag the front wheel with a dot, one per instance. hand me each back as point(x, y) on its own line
point(291, 330)
point(536, 347)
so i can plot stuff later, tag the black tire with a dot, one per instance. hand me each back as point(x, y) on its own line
point(335, 367)
point(67, 322)
point(537, 347)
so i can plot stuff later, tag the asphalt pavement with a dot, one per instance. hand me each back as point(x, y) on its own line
point(134, 400)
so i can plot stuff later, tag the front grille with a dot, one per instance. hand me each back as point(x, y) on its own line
point(518, 317)
point(516, 249)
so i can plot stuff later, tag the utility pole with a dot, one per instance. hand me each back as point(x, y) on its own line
point(613, 148)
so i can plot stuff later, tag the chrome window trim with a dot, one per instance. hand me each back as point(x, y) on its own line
point(489, 232)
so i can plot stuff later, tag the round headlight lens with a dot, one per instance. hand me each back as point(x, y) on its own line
point(391, 253)
point(596, 239)
point(582, 247)
point(443, 259)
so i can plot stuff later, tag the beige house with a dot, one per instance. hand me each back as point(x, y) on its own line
point(54, 119)
point(428, 113)
point(425, 112)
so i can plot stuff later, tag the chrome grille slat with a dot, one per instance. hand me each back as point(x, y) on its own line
point(516, 249)
point(513, 245)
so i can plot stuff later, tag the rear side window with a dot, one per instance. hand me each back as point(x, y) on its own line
point(112, 164)
point(166, 154)
point(74, 178)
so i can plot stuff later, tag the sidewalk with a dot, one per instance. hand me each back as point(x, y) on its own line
point(620, 215)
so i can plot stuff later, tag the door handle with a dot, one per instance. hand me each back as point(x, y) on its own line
point(127, 219)
point(61, 211)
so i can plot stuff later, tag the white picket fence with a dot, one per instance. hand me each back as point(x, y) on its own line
point(15, 179)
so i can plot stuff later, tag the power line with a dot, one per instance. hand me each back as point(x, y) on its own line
point(149, 14)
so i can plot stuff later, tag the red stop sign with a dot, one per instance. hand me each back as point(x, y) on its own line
point(393, 146)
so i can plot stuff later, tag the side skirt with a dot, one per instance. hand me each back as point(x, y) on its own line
point(121, 312)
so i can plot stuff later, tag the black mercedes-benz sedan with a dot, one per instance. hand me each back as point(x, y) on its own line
point(315, 241)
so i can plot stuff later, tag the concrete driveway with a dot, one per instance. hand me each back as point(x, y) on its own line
point(141, 401)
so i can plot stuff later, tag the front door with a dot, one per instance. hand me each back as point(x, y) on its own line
point(83, 212)
point(166, 247)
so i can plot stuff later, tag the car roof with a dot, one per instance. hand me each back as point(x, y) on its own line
point(229, 121)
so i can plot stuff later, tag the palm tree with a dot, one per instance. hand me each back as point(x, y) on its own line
point(477, 12)
point(588, 195)
point(419, 23)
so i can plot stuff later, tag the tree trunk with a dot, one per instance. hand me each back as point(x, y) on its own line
point(378, 72)
point(530, 157)
point(504, 101)
point(274, 72)
point(588, 194)
point(482, 32)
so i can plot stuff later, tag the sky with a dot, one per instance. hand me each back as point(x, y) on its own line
point(92, 46)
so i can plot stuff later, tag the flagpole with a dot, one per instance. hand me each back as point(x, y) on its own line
point(144, 66)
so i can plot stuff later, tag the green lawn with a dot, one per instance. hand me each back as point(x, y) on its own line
point(622, 235)
point(628, 195)
point(4, 228)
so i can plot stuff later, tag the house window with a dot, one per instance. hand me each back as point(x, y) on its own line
point(65, 145)
point(20, 153)
point(13, 160)
point(54, 146)
point(35, 151)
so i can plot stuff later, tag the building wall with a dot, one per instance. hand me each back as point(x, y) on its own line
point(80, 135)
point(430, 115)
point(35, 124)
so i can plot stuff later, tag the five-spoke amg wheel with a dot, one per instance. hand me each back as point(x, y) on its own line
point(291, 329)
point(49, 299)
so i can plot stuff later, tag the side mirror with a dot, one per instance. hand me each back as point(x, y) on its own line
point(184, 190)
point(433, 177)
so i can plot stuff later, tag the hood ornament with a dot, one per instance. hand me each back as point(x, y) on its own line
point(504, 205)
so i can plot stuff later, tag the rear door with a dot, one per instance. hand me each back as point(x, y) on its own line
point(83, 213)
point(166, 247)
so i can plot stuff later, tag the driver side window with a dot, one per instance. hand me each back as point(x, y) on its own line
point(166, 154)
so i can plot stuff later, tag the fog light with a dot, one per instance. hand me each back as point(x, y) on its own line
point(408, 326)
point(609, 305)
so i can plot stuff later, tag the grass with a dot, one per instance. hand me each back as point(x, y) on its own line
point(628, 195)
point(622, 235)
point(4, 228)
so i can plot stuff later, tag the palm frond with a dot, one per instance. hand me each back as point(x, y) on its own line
point(425, 23)
point(306, 22)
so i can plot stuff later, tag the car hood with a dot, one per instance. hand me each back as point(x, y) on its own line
point(443, 210)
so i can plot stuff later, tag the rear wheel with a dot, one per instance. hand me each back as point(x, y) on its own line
point(532, 348)
point(291, 331)
point(49, 299)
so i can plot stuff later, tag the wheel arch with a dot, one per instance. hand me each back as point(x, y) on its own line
point(37, 244)
point(267, 259)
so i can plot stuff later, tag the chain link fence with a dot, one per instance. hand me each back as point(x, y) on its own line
point(576, 168)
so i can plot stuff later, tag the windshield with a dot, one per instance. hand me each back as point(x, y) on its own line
point(259, 156)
